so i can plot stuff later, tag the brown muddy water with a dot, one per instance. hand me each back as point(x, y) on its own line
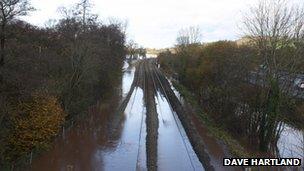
point(90, 145)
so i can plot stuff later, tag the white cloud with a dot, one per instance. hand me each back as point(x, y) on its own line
point(155, 23)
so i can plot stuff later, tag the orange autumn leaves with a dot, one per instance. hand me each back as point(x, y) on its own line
point(35, 123)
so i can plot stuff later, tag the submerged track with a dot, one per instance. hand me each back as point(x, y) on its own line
point(147, 130)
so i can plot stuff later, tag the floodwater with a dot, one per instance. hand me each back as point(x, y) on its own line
point(216, 150)
point(130, 150)
point(127, 78)
point(91, 143)
point(174, 149)
point(291, 142)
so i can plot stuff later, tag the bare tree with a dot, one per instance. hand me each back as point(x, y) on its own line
point(85, 6)
point(274, 26)
point(10, 9)
point(191, 35)
point(276, 29)
point(131, 49)
point(122, 24)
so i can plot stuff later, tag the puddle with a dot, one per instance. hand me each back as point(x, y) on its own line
point(174, 149)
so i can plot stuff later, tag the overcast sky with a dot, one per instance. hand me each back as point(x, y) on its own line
point(155, 23)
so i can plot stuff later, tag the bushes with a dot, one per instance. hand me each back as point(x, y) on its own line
point(34, 123)
point(215, 73)
point(233, 89)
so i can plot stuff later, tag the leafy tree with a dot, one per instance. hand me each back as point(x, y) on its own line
point(34, 123)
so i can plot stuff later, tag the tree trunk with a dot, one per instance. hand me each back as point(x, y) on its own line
point(2, 45)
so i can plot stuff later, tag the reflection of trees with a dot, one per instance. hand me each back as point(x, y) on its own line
point(81, 146)
point(290, 144)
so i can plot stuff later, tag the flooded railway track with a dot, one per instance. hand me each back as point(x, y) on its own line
point(145, 132)
point(174, 145)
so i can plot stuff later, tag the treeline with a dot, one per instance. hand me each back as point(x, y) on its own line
point(247, 88)
point(50, 75)
point(134, 51)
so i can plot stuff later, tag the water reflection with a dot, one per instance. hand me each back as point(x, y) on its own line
point(76, 150)
point(127, 153)
point(173, 143)
point(291, 142)
point(91, 144)
point(127, 78)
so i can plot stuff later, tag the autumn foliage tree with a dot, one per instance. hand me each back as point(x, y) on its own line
point(35, 123)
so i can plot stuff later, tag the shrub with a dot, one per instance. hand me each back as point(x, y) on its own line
point(34, 123)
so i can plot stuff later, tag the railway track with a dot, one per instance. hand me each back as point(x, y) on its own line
point(157, 132)
point(145, 132)
point(156, 81)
